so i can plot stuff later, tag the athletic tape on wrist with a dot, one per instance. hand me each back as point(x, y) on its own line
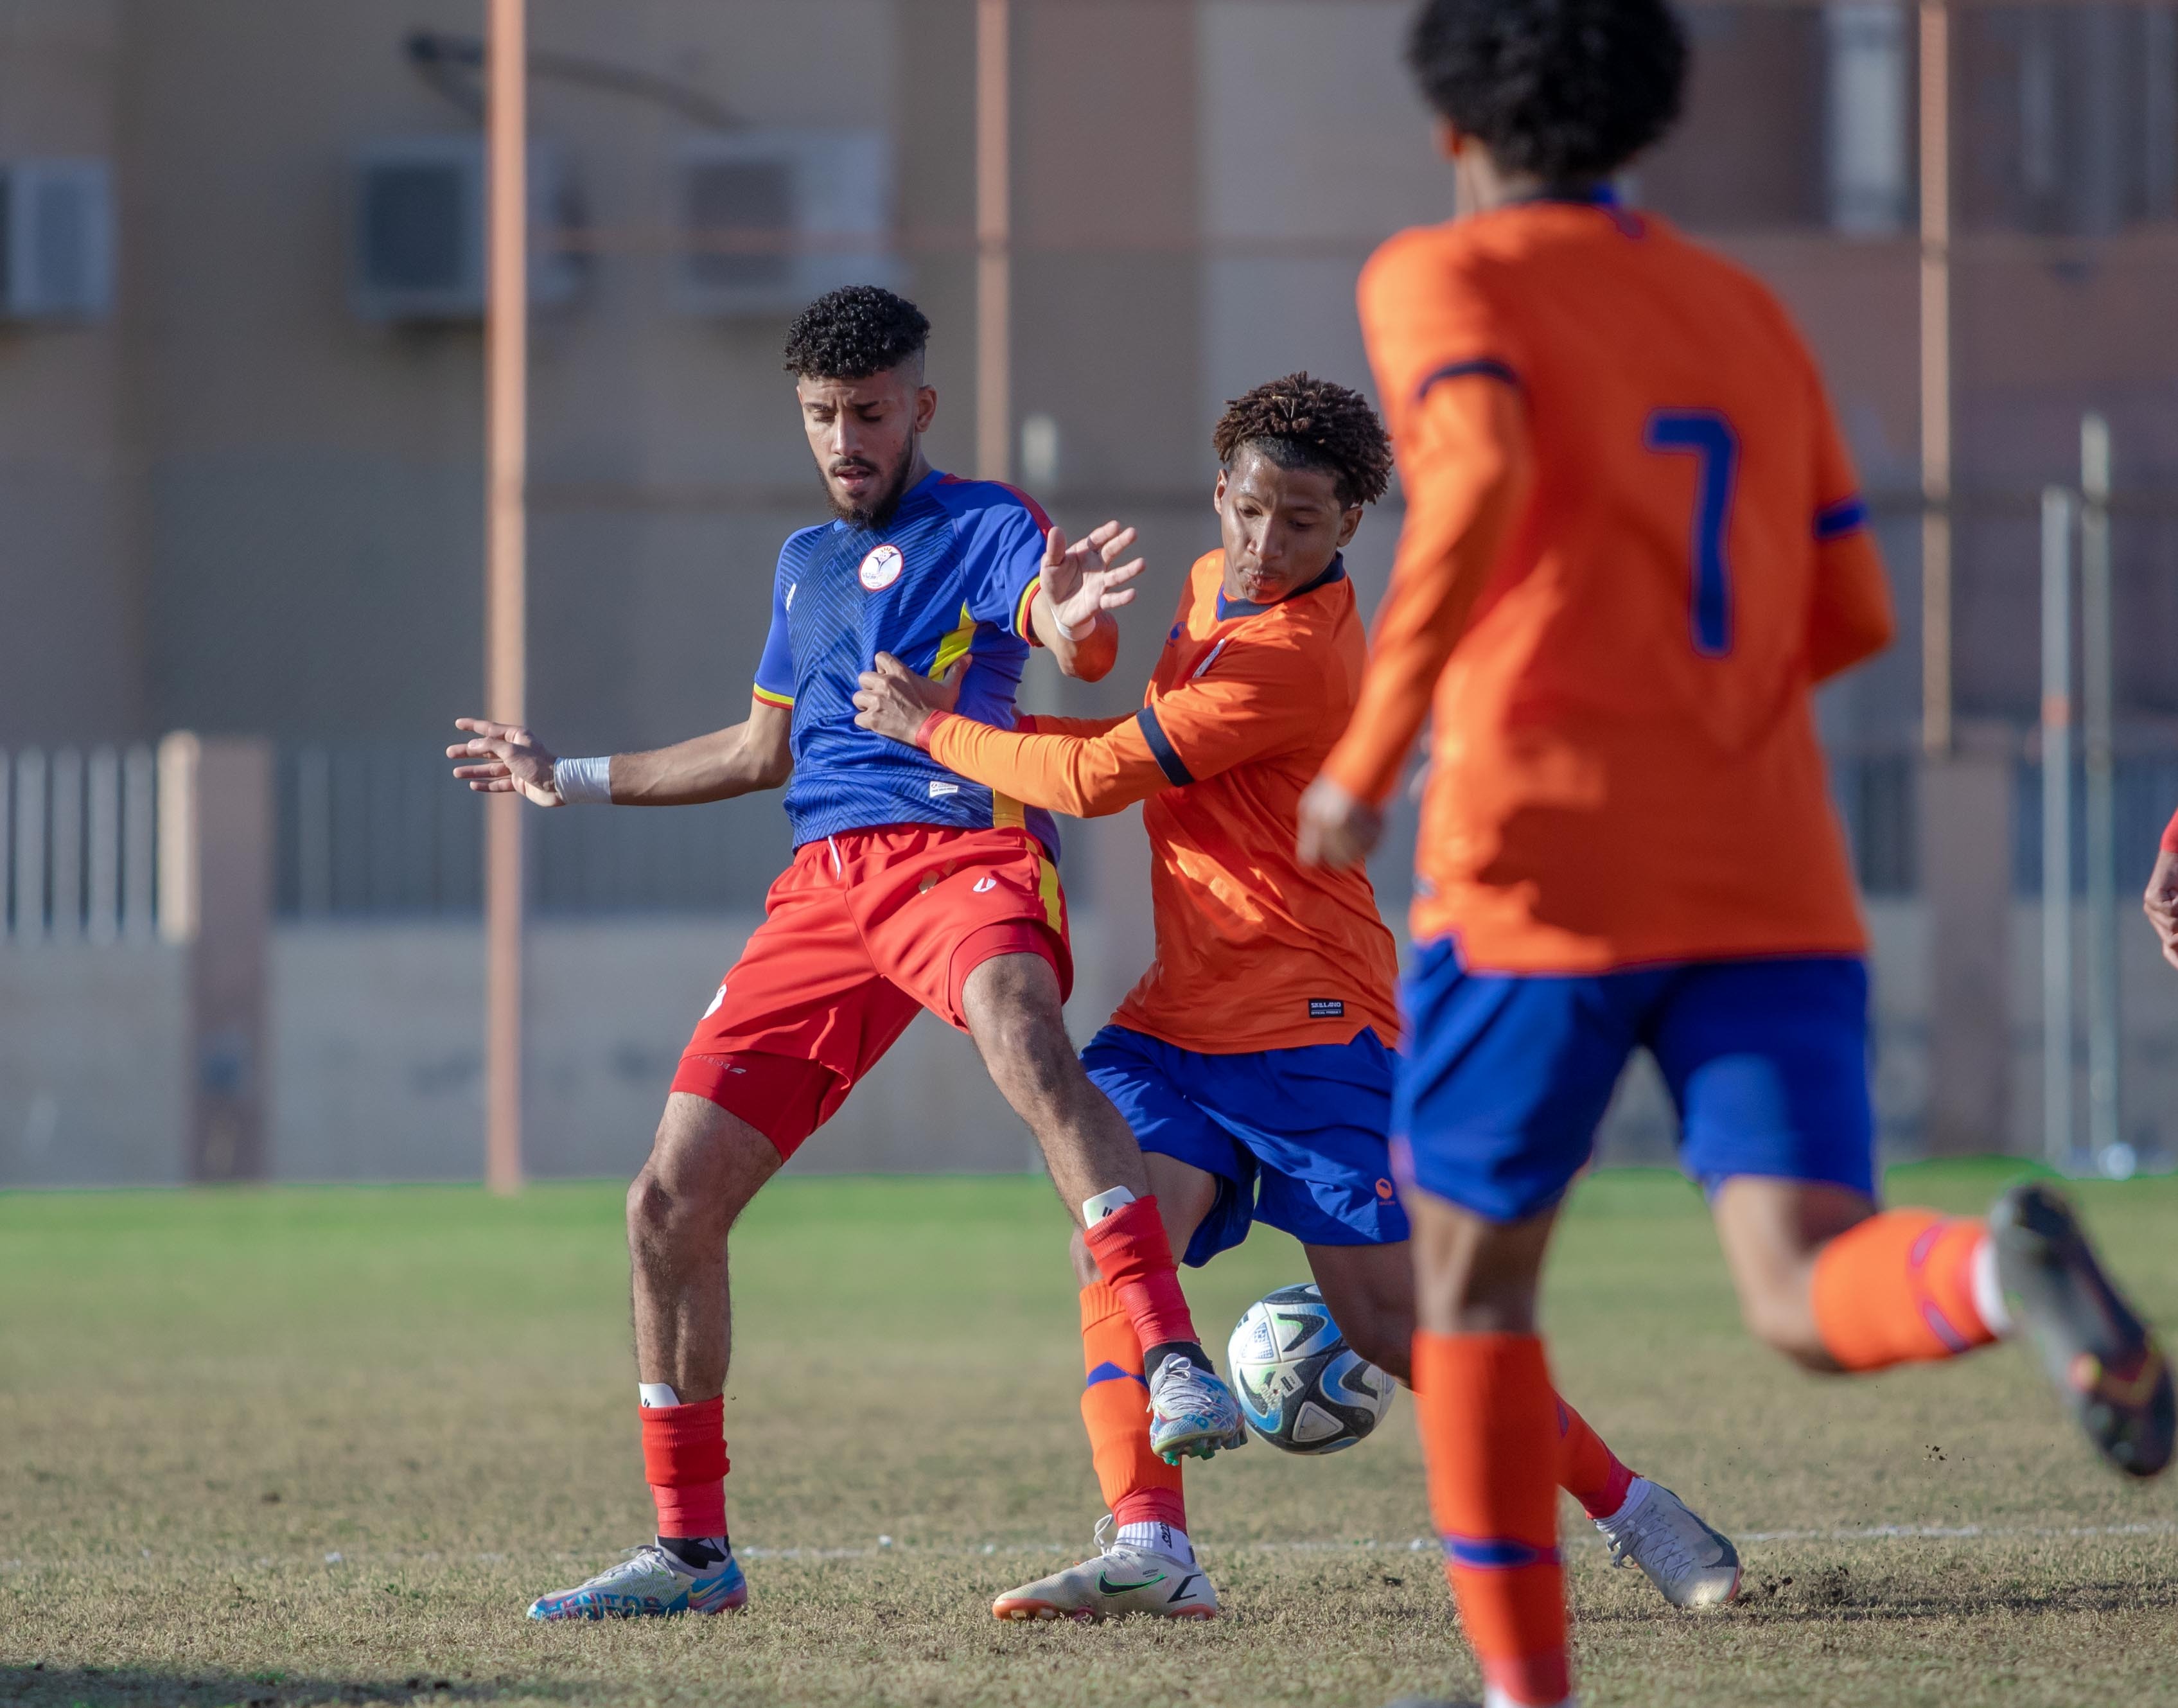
point(583, 782)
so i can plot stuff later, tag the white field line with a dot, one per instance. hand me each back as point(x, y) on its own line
point(1418, 1544)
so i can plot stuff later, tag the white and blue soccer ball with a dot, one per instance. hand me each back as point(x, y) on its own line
point(1301, 1386)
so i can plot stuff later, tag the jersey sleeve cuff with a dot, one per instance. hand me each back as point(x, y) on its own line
point(1023, 626)
point(2169, 844)
point(1848, 516)
point(772, 697)
point(928, 734)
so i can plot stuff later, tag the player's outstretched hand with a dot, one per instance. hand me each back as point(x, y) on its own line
point(1336, 829)
point(1085, 579)
point(894, 701)
point(507, 760)
point(2160, 904)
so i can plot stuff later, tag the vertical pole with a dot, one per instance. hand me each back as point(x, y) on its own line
point(2098, 695)
point(506, 341)
point(1935, 377)
point(2057, 827)
point(994, 267)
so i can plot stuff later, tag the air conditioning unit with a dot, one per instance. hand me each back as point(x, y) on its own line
point(55, 240)
point(770, 218)
point(417, 229)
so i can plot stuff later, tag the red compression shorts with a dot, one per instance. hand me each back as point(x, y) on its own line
point(861, 931)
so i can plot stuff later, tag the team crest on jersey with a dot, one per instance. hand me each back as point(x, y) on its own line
point(881, 568)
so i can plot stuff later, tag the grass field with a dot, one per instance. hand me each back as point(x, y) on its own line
point(317, 1446)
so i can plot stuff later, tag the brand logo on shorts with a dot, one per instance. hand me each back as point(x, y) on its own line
point(1385, 1190)
point(881, 568)
point(1326, 1007)
point(985, 885)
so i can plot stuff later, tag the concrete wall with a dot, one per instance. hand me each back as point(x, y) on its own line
point(376, 1053)
point(94, 1065)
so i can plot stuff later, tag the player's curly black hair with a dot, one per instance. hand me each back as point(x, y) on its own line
point(1568, 89)
point(854, 332)
point(1301, 422)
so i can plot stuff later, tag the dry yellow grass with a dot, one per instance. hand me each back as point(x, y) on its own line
point(300, 1447)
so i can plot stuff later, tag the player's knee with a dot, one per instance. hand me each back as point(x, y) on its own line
point(1782, 1317)
point(1385, 1340)
point(1029, 1056)
point(649, 1205)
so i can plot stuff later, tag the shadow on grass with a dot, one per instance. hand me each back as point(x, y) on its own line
point(126, 1687)
point(1836, 1595)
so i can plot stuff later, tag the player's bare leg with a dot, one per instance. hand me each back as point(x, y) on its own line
point(1011, 1004)
point(1837, 1284)
point(704, 1167)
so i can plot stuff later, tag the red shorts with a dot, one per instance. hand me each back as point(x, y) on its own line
point(861, 931)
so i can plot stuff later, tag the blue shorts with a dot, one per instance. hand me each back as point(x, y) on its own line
point(1506, 1076)
point(1296, 1138)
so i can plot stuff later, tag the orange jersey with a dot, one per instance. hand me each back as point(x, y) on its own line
point(1254, 950)
point(1633, 544)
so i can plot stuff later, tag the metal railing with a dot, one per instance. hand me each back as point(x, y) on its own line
point(380, 829)
point(78, 845)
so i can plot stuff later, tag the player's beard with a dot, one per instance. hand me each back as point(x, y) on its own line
point(879, 509)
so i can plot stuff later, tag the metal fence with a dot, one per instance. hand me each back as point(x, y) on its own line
point(380, 830)
point(377, 830)
point(78, 845)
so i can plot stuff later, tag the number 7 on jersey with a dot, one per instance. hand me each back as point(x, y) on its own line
point(1708, 436)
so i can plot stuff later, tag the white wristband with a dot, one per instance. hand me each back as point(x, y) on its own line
point(1088, 623)
point(583, 782)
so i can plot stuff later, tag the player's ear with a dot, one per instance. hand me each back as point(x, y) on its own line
point(1349, 524)
point(1217, 494)
point(926, 407)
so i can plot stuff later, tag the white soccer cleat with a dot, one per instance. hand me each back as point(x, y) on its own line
point(1192, 1413)
point(1118, 1581)
point(1693, 1565)
point(650, 1582)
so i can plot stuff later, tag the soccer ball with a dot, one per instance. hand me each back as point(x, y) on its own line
point(1301, 1386)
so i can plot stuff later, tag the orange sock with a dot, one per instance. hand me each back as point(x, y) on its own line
point(1899, 1289)
point(1588, 1469)
point(1490, 1435)
point(1139, 1488)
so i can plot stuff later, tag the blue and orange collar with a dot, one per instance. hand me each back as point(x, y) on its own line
point(1241, 607)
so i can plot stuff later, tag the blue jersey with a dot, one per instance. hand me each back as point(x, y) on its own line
point(951, 574)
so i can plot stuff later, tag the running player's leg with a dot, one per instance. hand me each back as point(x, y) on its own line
point(1145, 1562)
point(1489, 1423)
point(1768, 1061)
point(972, 924)
point(797, 1021)
point(1502, 1084)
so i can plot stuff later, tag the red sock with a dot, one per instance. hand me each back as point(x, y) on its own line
point(1898, 1288)
point(1489, 1429)
point(1588, 1469)
point(1139, 1488)
point(684, 1460)
point(1134, 1258)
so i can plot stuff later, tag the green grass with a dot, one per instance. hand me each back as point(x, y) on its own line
point(317, 1446)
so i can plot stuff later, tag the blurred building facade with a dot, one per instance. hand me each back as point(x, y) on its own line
point(237, 501)
point(240, 494)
